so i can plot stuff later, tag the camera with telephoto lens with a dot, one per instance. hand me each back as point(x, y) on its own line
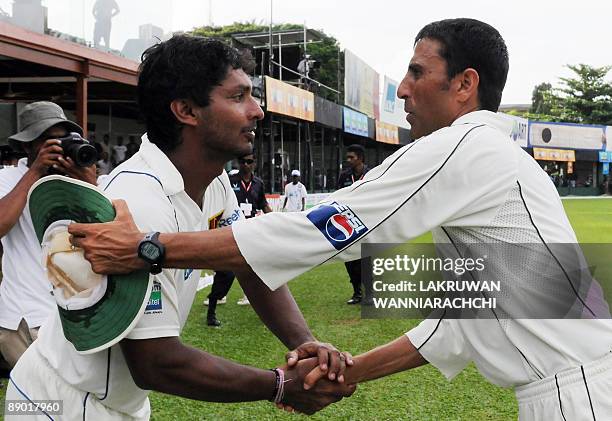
point(82, 153)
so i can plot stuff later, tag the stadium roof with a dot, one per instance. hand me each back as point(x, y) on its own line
point(36, 66)
point(288, 37)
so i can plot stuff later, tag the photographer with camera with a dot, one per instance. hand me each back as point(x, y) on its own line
point(53, 144)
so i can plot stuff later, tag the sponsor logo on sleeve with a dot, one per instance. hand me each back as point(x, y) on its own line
point(155, 299)
point(338, 224)
point(235, 216)
point(218, 221)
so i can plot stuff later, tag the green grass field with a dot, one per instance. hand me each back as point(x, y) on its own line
point(421, 394)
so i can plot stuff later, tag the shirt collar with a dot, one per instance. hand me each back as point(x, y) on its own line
point(23, 164)
point(485, 117)
point(170, 177)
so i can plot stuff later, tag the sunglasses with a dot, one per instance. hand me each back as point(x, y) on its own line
point(247, 161)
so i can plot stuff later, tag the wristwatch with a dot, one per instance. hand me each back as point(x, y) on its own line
point(152, 251)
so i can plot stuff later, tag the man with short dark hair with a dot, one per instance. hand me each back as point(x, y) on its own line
point(25, 292)
point(465, 180)
point(196, 99)
point(357, 169)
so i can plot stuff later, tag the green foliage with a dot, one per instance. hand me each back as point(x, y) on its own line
point(588, 96)
point(537, 116)
point(584, 98)
point(240, 28)
point(541, 99)
point(330, 56)
point(327, 52)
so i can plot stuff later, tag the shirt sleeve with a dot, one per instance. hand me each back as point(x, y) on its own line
point(7, 183)
point(458, 176)
point(142, 194)
point(442, 344)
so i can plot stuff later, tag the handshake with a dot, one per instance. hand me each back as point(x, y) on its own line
point(313, 378)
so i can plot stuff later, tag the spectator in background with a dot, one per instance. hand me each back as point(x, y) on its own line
point(104, 164)
point(96, 144)
point(249, 188)
point(250, 193)
point(104, 11)
point(25, 292)
point(119, 152)
point(303, 69)
point(355, 157)
point(106, 147)
point(295, 194)
point(132, 147)
point(6, 156)
point(10, 157)
point(572, 180)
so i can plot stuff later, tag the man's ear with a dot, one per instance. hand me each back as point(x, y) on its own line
point(184, 111)
point(469, 80)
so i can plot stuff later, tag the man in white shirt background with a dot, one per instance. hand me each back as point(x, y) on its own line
point(25, 292)
point(119, 152)
point(295, 194)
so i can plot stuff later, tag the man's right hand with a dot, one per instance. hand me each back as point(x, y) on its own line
point(48, 157)
point(112, 247)
point(324, 393)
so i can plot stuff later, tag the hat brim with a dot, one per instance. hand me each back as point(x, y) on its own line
point(92, 329)
point(34, 131)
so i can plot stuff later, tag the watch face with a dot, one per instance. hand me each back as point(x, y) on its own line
point(150, 251)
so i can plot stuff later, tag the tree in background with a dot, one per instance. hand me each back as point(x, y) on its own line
point(542, 99)
point(326, 52)
point(584, 98)
point(587, 97)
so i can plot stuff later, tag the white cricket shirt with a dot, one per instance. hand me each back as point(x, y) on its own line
point(468, 183)
point(154, 191)
point(295, 193)
point(25, 292)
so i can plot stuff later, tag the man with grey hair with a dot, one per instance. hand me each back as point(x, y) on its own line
point(25, 292)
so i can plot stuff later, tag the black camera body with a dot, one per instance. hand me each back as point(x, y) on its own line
point(82, 153)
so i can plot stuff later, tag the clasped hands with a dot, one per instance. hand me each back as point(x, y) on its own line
point(314, 377)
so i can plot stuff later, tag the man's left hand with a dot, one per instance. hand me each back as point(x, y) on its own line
point(67, 166)
point(331, 361)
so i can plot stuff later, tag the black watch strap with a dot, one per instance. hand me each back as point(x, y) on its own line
point(152, 251)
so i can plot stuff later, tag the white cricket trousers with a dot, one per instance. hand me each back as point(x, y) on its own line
point(579, 394)
point(36, 380)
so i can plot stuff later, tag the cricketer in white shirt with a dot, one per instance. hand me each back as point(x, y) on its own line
point(467, 183)
point(100, 385)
